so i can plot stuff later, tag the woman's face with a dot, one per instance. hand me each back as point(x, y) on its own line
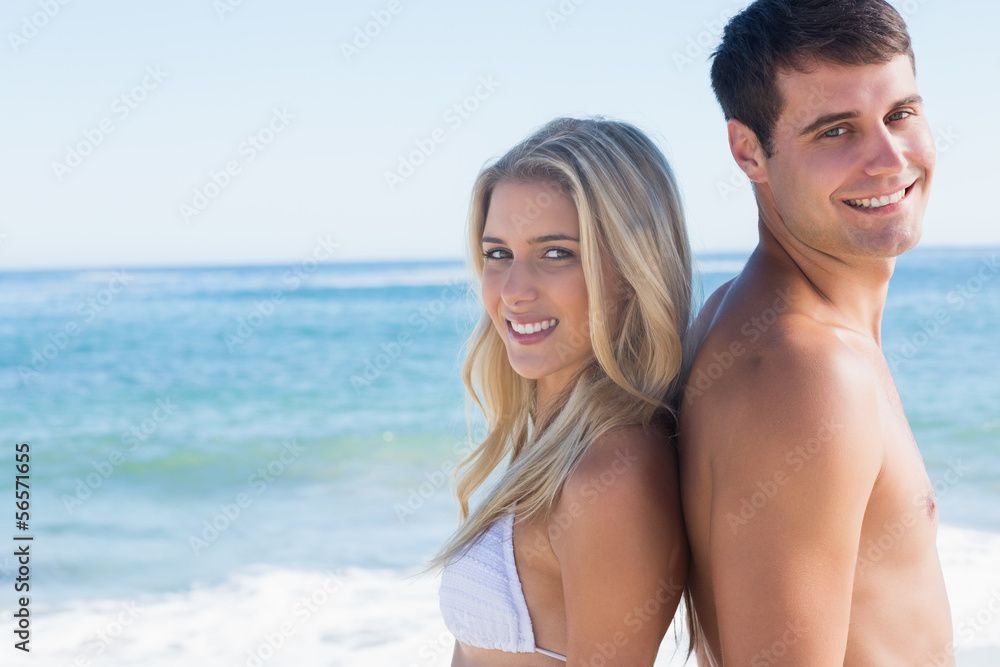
point(533, 283)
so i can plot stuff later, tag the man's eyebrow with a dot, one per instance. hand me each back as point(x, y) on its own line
point(538, 239)
point(908, 101)
point(826, 119)
point(847, 115)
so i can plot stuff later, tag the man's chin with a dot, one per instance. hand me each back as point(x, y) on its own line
point(891, 243)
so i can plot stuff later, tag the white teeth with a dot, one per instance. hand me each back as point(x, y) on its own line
point(876, 202)
point(532, 327)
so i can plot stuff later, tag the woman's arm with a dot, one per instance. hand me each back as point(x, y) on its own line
point(623, 554)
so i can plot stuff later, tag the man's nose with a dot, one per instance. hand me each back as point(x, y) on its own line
point(885, 153)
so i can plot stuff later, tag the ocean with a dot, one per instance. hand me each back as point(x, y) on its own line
point(245, 466)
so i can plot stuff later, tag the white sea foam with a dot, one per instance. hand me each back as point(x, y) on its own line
point(268, 617)
point(971, 562)
point(259, 617)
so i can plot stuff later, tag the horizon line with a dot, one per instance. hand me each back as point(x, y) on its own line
point(359, 261)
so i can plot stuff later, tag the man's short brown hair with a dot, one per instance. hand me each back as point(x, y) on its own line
point(771, 36)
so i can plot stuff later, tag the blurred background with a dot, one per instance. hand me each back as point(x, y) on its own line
point(233, 300)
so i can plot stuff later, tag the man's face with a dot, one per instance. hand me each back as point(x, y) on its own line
point(853, 159)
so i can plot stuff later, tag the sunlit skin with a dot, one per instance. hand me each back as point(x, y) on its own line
point(533, 273)
point(809, 511)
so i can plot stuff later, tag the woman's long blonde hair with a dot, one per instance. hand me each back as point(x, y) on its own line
point(630, 218)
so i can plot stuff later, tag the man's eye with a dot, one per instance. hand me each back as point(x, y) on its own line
point(899, 115)
point(835, 132)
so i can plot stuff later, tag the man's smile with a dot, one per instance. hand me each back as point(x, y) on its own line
point(875, 201)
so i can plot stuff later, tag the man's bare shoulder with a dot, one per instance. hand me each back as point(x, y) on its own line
point(775, 378)
point(703, 322)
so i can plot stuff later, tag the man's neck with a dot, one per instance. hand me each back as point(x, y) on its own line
point(852, 290)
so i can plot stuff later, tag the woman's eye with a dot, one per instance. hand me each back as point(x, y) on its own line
point(557, 253)
point(835, 132)
point(495, 253)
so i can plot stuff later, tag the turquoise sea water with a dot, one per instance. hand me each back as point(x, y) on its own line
point(188, 423)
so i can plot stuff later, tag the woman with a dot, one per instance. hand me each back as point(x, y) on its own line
point(578, 552)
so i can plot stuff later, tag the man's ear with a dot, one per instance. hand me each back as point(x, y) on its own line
point(747, 151)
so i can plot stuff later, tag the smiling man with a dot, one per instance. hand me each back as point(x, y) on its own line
point(811, 517)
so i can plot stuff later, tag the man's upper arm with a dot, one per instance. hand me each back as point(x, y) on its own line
point(621, 549)
point(791, 478)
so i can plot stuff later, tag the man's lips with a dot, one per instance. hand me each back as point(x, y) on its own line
point(880, 202)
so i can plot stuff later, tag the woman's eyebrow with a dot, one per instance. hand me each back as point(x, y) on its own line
point(548, 238)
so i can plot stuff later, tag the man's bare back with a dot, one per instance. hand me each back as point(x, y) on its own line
point(757, 440)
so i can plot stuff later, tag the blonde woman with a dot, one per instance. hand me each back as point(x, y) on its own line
point(577, 554)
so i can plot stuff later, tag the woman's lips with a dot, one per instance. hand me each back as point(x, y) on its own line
point(539, 330)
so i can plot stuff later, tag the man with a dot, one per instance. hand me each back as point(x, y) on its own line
point(811, 517)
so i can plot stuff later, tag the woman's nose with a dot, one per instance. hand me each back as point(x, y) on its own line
point(520, 284)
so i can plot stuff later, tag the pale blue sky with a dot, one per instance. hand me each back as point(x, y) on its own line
point(337, 124)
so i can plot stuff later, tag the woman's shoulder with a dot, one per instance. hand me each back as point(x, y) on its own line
point(621, 501)
point(626, 468)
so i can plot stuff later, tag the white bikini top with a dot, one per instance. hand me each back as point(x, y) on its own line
point(481, 598)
